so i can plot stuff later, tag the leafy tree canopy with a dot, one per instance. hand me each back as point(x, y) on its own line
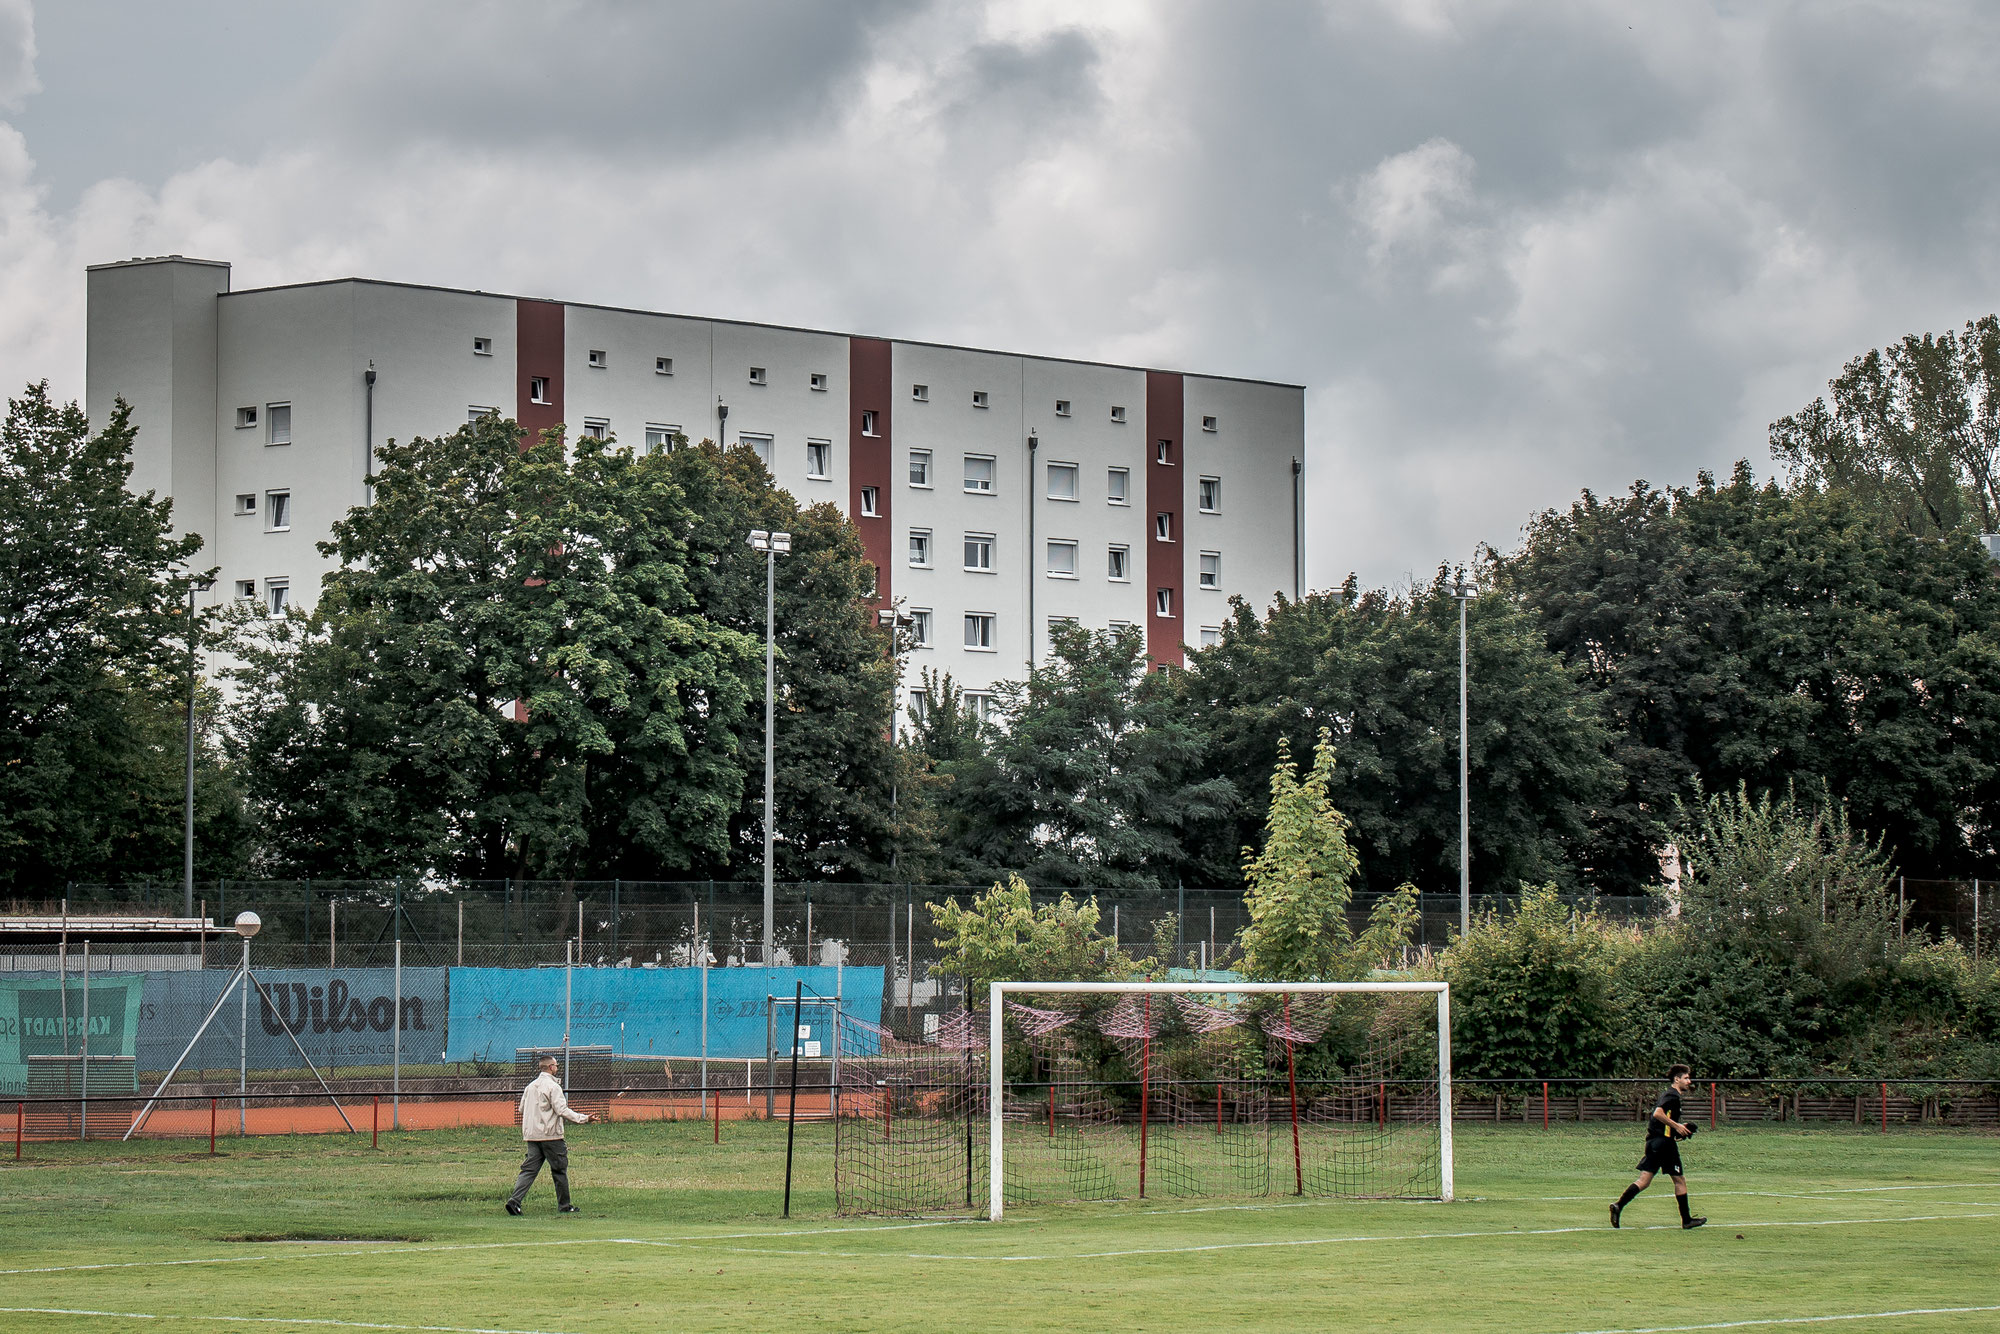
point(1002, 936)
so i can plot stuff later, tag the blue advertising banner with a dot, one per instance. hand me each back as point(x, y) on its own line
point(636, 1011)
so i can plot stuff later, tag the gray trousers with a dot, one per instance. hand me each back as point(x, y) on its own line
point(555, 1152)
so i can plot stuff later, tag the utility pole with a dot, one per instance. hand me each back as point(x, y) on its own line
point(772, 545)
point(1464, 592)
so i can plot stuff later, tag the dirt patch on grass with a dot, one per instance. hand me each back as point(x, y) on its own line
point(322, 1237)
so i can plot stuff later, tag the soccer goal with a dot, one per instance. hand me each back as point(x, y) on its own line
point(1062, 1091)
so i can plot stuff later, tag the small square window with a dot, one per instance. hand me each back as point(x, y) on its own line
point(868, 423)
point(277, 511)
point(482, 347)
point(979, 473)
point(476, 411)
point(1211, 635)
point(1211, 495)
point(871, 502)
point(279, 415)
point(920, 548)
point(538, 389)
point(598, 361)
point(978, 630)
point(1062, 481)
point(245, 417)
point(920, 627)
point(1163, 526)
point(979, 552)
point(819, 460)
point(920, 467)
point(661, 438)
point(663, 365)
point(1115, 626)
point(978, 706)
point(1163, 602)
point(1207, 424)
point(979, 398)
point(597, 426)
point(1120, 564)
point(1211, 569)
point(1118, 414)
point(277, 596)
point(246, 503)
point(760, 443)
point(819, 382)
point(1062, 560)
point(1118, 486)
point(1163, 452)
point(246, 589)
point(1062, 407)
point(757, 375)
point(920, 392)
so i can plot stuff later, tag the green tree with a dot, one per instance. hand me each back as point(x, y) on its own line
point(93, 663)
point(1298, 886)
point(1913, 432)
point(1002, 936)
point(1381, 672)
point(1532, 993)
point(1094, 778)
point(508, 674)
point(1739, 633)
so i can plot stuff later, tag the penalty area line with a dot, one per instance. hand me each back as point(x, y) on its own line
point(1800, 1320)
point(292, 1321)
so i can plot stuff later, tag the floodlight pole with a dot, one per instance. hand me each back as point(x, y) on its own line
point(1463, 592)
point(772, 545)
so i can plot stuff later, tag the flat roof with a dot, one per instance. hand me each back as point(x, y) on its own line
point(156, 259)
point(51, 930)
point(712, 319)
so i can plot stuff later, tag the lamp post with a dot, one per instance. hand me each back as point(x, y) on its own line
point(773, 545)
point(195, 585)
point(1464, 592)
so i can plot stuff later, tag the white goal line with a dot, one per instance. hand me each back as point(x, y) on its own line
point(996, 1007)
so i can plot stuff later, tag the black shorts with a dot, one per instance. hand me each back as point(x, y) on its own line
point(1662, 1155)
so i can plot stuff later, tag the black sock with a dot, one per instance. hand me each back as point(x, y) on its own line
point(1631, 1193)
point(1682, 1201)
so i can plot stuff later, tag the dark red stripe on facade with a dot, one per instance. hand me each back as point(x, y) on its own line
point(868, 456)
point(538, 343)
point(1166, 486)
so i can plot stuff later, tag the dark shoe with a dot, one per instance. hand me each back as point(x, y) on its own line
point(1614, 1215)
point(1692, 1222)
point(513, 1208)
point(572, 1209)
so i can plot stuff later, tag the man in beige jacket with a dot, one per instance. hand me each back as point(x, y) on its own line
point(543, 1111)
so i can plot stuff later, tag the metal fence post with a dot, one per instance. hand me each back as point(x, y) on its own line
point(396, 1047)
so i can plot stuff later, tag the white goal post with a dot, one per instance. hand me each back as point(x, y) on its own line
point(996, 1015)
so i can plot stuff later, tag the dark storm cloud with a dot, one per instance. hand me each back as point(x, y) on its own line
point(592, 77)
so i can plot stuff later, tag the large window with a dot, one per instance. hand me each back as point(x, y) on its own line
point(979, 630)
point(1211, 569)
point(1120, 565)
point(597, 426)
point(920, 627)
point(277, 596)
point(920, 467)
point(871, 502)
point(819, 459)
point(279, 415)
point(1062, 560)
point(979, 552)
point(760, 443)
point(277, 511)
point(1211, 495)
point(920, 548)
point(979, 472)
point(1163, 526)
point(660, 438)
point(1062, 481)
point(1163, 602)
point(1118, 486)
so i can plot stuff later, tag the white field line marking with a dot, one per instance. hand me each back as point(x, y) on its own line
point(1269, 1245)
point(395, 1248)
point(1801, 1320)
point(261, 1320)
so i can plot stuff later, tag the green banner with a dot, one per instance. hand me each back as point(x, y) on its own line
point(37, 1018)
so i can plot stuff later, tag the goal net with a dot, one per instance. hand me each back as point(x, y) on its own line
point(1099, 1091)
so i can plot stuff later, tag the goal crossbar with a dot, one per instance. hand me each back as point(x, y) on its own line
point(999, 991)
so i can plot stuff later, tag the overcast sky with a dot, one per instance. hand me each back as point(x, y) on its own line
point(1513, 249)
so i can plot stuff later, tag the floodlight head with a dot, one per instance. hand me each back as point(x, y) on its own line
point(202, 584)
point(248, 924)
point(781, 542)
point(760, 540)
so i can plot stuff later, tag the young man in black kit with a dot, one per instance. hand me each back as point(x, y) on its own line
point(1664, 1131)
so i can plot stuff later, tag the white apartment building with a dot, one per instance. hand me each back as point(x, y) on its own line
point(996, 493)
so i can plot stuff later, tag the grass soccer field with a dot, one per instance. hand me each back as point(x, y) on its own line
point(1807, 1227)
